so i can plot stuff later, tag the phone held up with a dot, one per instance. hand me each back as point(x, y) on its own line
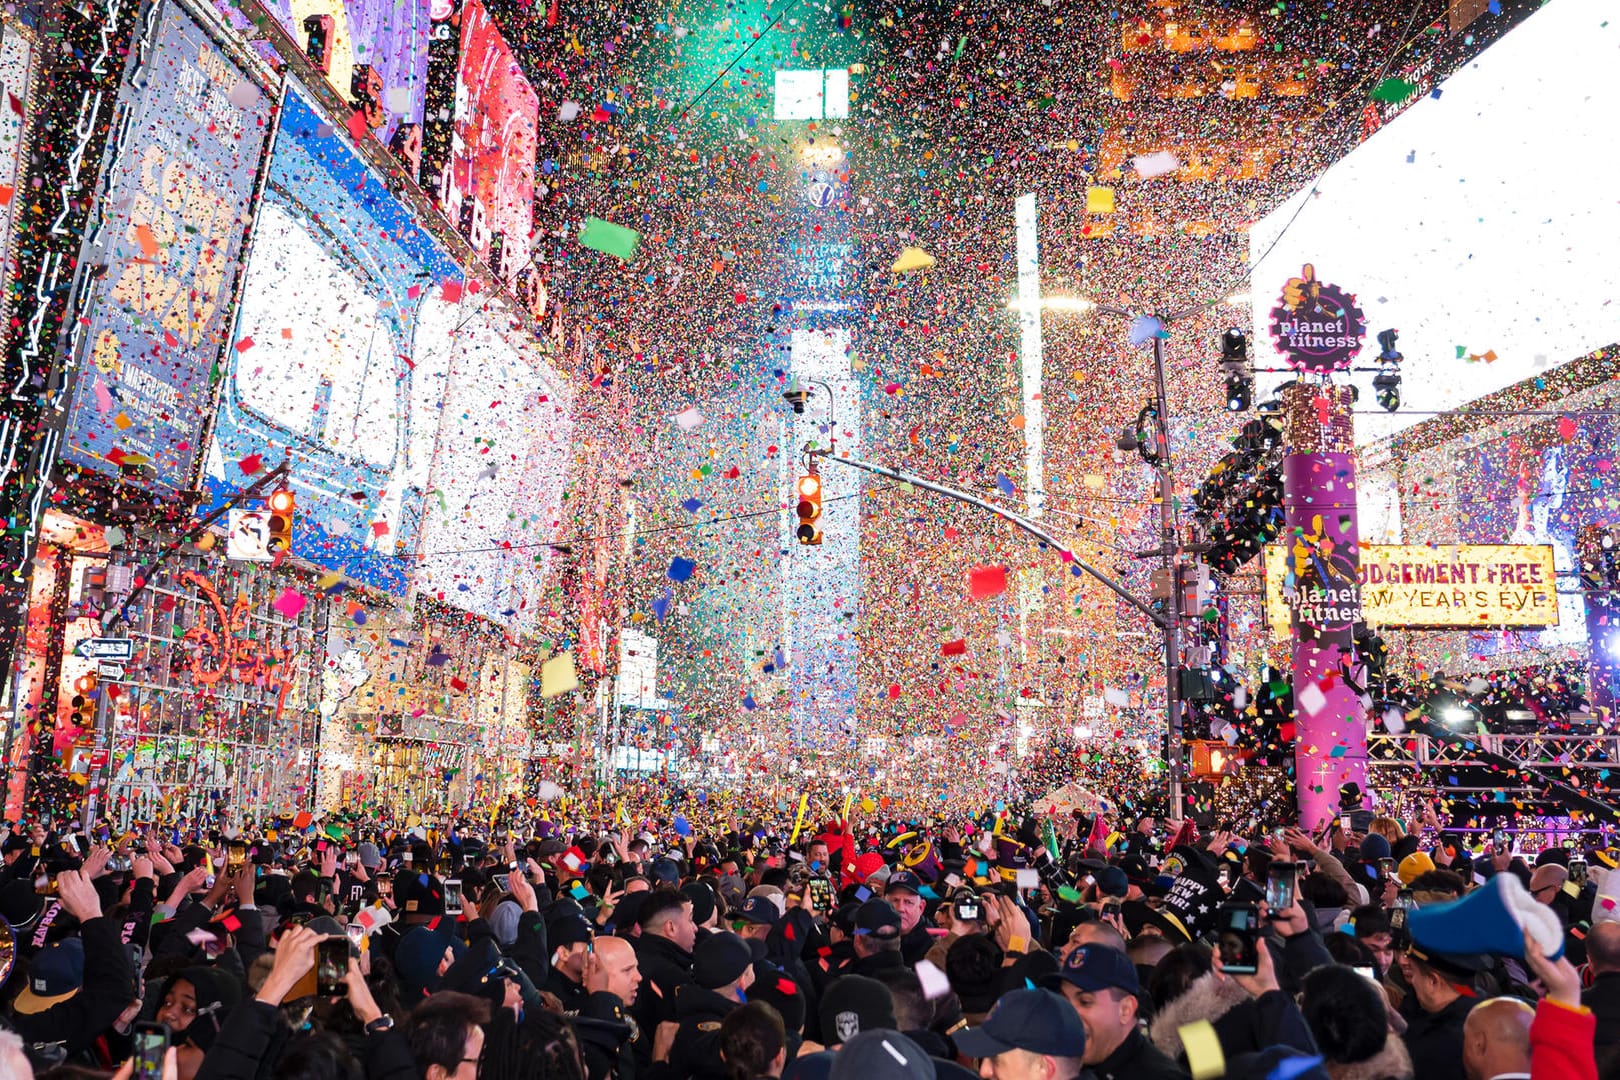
point(1237, 941)
point(1280, 881)
point(151, 1041)
point(332, 965)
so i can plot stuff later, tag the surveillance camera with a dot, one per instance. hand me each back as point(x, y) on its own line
point(796, 398)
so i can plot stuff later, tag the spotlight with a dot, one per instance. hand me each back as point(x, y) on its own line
point(796, 397)
point(1456, 715)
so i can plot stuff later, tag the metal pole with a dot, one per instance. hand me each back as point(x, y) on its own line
point(1022, 522)
point(1171, 548)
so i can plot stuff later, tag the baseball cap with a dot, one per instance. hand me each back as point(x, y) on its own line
point(903, 879)
point(852, 1004)
point(1035, 1020)
point(760, 911)
point(882, 1055)
point(1096, 967)
point(56, 974)
point(877, 918)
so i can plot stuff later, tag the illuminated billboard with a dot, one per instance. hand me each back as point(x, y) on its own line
point(494, 489)
point(480, 135)
point(320, 371)
point(1445, 586)
point(175, 211)
point(1491, 271)
point(16, 71)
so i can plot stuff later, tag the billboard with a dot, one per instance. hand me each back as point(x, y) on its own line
point(387, 37)
point(480, 136)
point(16, 71)
point(494, 490)
point(1492, 273)
point(1444, 586)
point(1542, 484)
point(177, 203)
point(320, 370)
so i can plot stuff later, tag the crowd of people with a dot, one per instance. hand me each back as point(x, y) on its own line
point(919, 950)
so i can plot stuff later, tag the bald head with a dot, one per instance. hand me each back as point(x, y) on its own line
point(615, 960)
point(612, 950)
point(1603, 948)
point(1496, 1038)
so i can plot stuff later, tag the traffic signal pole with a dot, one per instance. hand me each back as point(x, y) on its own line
point(1024, 523)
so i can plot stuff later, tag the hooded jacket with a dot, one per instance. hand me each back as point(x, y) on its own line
point(1244, 1024)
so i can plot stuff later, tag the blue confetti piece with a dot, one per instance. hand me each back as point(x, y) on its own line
point(691, 506)
point(1004, 485)
point(749, 703)
point(681, 569)
point(660, 606)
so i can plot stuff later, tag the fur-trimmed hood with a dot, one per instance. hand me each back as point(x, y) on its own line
point(1208, 998)
point(1390, 1063)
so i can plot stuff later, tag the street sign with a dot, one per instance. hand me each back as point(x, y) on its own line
point(117, 650)
point(110, 671)
point(248, 538)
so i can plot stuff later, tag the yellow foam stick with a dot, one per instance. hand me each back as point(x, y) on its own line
point(804, 804)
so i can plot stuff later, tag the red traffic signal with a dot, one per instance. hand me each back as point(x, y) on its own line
point(809, 488)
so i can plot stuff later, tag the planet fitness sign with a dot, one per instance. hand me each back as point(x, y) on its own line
point(1316, 326)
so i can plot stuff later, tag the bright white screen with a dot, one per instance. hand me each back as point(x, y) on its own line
point(1497, 235)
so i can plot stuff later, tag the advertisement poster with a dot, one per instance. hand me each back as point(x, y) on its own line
point(1540, 485)
point(388, 36)
point(495, 488)
point(484, 178)
point(177, 205)
point(16, 67)
point(321, 368)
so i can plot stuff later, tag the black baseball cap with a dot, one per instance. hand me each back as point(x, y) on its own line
point(1038, 1021)
point(903, 879)
point(1095, 967)
point(877, 918)
point(760, 910)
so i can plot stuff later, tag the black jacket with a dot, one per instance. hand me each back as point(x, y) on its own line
point(1138, 1059)
point(1435, 1040)
point(696, 1052)
point(1603, 998)
point(915, 945)
point(665, 967)
point(73, 1025)
point(605, 1030)
point(876, 964)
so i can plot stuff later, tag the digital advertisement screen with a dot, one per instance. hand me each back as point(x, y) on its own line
point(1474, 223)
point(16, 69)
point(172, 224)
point(320, 371)
point(390, 36)
point(497, 475)
point(487, 184)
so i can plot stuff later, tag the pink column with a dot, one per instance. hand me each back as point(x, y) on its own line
point(1319, 497)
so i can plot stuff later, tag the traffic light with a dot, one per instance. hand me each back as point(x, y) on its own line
point(282, 506)
point(84, 702)
point(1387, 383)
point(809, 509)
point(1239, 372)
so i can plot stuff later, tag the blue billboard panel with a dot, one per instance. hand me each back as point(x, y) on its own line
point(321, 372)
point(176, 208)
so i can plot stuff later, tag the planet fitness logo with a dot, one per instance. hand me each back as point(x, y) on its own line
point(1317, 327)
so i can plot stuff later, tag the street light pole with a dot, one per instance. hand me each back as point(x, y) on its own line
point(1170, 547)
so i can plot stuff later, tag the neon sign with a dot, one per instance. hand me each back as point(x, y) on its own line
point(214, 655)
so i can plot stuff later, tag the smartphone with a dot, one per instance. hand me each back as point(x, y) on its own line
point(1239, 948)
point(331, 965)
point(1386, 867)
point(821, 893)
point(236, 856)
point(356, 935)
point(1280, 879)
point(151, 1041)
point(1499, 840)
point(1111, 906)
point(452, 897)
point(502, 882)
point(1344, 823)
point(405, 857)
point(1577, 870)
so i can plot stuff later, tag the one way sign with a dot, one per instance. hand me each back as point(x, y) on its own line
point(116, 650)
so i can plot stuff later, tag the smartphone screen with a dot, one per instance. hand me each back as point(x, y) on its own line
point(236, 857)
point(821, 893)
point(1499, 838)
point(502, 882)
point(331, 965)
point(151, 1040)
point(1577, 871)
point(1280, 887)
point(452, 897)
point(1240, 951)
point(1344, 823)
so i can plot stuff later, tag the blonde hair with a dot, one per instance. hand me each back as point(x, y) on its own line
point(1387, 827)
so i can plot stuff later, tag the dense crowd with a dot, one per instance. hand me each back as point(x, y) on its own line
point(904, 950)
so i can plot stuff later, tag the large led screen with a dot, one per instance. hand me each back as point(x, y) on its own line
point(486, 184)
point(495, 486)
point(321, 367)
point(1480, 223)
point(173, 218)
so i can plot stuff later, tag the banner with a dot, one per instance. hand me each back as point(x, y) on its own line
point(322, 369)
point(1451, 586)
point(176, 207)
